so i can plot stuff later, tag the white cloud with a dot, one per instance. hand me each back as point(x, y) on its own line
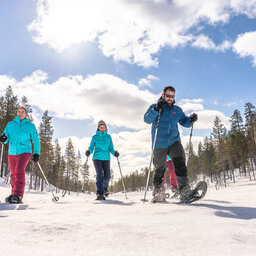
point(152, 77)
point(204, 42)
point(144, 82)
point(147, 81)
point(191, 104)
point(206, 118)
point(132, 31)
point(101, 96)
point(245, 46)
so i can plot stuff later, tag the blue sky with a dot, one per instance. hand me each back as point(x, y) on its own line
point(90, 60)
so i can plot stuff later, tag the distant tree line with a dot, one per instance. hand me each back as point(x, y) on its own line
point(216, 158)
point(62, 170)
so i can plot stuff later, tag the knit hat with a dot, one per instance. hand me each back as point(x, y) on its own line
point(24, 109)
point(101, 122)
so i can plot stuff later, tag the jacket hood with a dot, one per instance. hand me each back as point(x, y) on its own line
point(17, 119)
point(100, 133)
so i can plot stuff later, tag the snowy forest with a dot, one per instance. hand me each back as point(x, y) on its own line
point(216, 157)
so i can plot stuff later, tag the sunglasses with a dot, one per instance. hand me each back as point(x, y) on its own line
point(170, 96)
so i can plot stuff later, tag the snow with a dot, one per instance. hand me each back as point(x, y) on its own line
point(223, 223)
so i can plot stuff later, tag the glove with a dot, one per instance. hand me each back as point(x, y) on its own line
point(87, 152)
point(193, 117)
point(160, 105)
point(3, 138)
point(116, 153)
point(35, 158)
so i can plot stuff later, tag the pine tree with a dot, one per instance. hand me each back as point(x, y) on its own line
point(46, 154)
point(85, 174)
point(57, 174)
point(250, 116)
point(71, 172)
point(24, 103)
point(9, 107)
point(219, 134)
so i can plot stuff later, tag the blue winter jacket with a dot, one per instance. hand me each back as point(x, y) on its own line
point(168, 132)
point(19, 134)
point(101, 144)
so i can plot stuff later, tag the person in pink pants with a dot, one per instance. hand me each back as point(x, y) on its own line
point(173, 178)
point(19, 133)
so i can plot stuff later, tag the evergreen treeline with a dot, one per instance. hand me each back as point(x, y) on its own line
point(61, 170)
point(217, 156)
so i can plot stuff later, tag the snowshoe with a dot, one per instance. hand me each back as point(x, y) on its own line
point(167, 195)
point(188, 196)
point(176, 193)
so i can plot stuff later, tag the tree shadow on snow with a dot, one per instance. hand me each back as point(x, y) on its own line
point(235, 212)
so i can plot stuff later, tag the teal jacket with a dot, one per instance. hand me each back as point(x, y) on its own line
point(19, 134)
point(102, 145)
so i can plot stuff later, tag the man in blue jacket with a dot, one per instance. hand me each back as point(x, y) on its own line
point(168, 141)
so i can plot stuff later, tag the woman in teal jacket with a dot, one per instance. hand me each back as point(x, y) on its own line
point(102, 146)
point(19, 133)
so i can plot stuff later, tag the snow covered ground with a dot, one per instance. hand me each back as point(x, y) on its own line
point(223, 223)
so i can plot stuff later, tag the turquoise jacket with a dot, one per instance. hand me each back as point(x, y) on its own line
point(102, 145)
point(19, 134)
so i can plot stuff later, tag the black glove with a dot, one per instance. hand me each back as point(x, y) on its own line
point(193, 117)
point(3, 138)
point(116, 153)
point(87, 152)
point(35, 158)
point(160, 105)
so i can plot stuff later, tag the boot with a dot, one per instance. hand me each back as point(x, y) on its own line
point(184, 188)
point(182, 182)
point(8, 198)
point(158, 195)
point(100, 197)
point(106, 193)
point(184, 194)
point(16, 199)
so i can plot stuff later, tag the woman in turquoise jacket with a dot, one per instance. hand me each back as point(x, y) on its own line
point(102, 146)
point(19, 133)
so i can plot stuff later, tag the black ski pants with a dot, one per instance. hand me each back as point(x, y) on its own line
point(102, 168)
point(177, 154)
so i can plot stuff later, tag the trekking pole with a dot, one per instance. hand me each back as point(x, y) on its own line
point(1, 160)
point(86, 162)
point(190, 142)
point(122, 177)
point(152, 155)
point(55, 198)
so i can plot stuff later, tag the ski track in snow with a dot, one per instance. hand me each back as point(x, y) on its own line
point(222, 223)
